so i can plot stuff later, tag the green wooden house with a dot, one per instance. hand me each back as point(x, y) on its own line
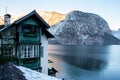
point(25, 41)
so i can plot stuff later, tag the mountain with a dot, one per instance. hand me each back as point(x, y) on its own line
point(116, 33)
point(1, 20)
point(52, 17)
point(80, 28)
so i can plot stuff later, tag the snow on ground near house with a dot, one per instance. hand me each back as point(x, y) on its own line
point(34, 75)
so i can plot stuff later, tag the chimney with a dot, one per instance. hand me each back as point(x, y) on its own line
point(7, 20)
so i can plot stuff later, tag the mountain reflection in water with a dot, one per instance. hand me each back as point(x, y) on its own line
point(86, 62)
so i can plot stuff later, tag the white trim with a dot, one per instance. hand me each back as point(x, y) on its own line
point(29, 51)
point(44, 58)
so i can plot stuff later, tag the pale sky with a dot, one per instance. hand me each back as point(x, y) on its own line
point(107, 9)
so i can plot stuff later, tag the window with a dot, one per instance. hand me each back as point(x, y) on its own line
point(41, 51)
point(36, 51)
point(29, 51)
point(29, 30)
point(7, 52)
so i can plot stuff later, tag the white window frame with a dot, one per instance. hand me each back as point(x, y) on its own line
point(29, 51)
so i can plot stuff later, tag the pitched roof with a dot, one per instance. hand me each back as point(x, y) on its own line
point(2, 28)
point(30, 14)
point(37, 16)
point(48, 34)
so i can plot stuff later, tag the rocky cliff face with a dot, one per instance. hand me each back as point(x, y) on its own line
point(83, 29)
point(116, 33)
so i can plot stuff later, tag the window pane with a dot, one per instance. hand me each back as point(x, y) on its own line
point(28, 51)
point(41, 51)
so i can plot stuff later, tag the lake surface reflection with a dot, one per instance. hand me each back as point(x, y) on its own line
point(86, 62)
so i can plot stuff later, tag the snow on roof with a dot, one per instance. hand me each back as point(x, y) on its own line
point(34, 75)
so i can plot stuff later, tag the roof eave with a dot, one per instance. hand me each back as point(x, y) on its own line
point(48, 34)
point(30, 14)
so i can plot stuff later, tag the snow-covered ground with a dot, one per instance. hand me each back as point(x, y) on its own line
point(34, 75)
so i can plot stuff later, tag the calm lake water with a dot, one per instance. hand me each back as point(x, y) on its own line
point(86, 62)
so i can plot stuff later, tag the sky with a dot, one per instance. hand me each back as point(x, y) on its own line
point(107, 9)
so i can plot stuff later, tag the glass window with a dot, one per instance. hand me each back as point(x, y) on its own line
point(29, 29)
point(29, 51)
point(36, 51)
point(41, 51)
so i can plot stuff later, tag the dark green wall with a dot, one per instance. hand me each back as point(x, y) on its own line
point(30, 38)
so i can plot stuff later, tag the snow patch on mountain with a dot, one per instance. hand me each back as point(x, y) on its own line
point(116, 33)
